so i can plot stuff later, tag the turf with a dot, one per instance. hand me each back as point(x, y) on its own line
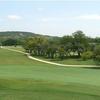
point(24, 79)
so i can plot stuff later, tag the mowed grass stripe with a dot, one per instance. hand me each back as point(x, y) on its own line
point(29, 88)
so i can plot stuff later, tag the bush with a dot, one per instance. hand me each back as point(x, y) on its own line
point(97, 53)
point(87, 55)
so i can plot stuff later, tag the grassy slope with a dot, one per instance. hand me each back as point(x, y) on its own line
point(24, 79)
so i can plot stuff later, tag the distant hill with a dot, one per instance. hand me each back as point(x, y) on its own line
point(20, 36)
point(16, 34)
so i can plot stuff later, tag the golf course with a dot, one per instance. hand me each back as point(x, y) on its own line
point(24, 79)
point(49, 50)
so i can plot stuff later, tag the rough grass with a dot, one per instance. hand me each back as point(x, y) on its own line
point(24, 79)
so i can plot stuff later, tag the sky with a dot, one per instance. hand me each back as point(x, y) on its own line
point(51, 17)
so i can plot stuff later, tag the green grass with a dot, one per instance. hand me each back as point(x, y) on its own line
point(16, 48)
point(40, 90)
point(78, 62)
point(24, 79)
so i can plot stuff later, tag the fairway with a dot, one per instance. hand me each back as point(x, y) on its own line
point(25, 79)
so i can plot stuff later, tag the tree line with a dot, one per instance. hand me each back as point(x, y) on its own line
point(75, 45)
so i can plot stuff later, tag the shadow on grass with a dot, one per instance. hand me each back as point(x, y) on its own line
point(91, 67)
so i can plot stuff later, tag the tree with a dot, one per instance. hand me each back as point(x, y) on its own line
point(61, 52)
point(67, 43)
point(29, 44)
point(51, 49)
point(66, 39)
point(97, 40)
point(10, 42)
point(80, 43)
point(36, 45)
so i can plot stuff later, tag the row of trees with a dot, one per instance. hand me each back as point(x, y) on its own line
point(75, 45)
point(10, 42)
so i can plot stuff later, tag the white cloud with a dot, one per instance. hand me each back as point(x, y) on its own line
point(89, 17)
point(14, 17)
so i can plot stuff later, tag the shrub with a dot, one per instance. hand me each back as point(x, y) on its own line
point(97, 58)
point(87, 55)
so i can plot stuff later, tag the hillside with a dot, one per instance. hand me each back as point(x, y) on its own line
point(21, 35)
point(16, 34)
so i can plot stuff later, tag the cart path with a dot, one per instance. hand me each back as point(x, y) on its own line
point(48, 62)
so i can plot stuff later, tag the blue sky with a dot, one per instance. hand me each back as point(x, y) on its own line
point(51, 17)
